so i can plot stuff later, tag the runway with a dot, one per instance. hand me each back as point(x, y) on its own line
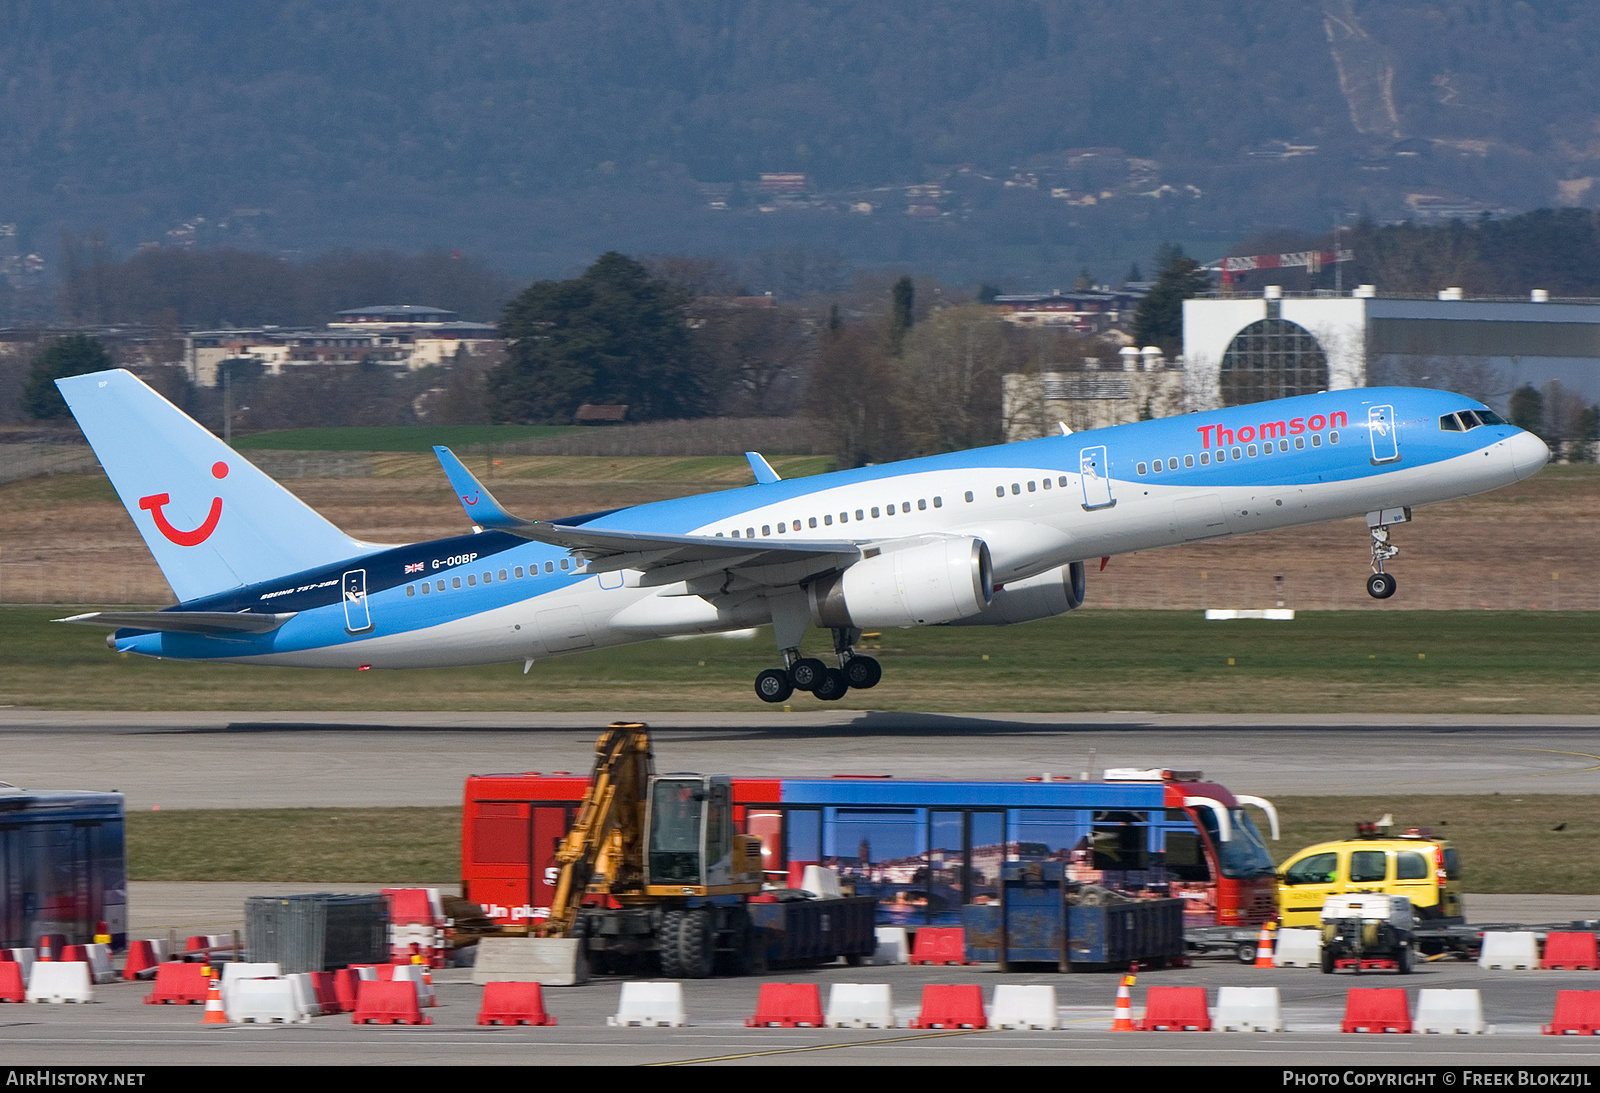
point(299, 759)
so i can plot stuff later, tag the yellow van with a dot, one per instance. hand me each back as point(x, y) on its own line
point(1413, 864)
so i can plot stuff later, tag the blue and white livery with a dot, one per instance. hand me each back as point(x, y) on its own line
point(984, 537)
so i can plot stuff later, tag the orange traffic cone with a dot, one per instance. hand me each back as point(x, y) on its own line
point(1122, 1021)
point(215, 1015)
point(1264, 945)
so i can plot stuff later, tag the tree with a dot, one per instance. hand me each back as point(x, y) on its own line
point(72, 355)
point(902, 301)
point(612, 335)
point(1527, 408)
point(1159, 319)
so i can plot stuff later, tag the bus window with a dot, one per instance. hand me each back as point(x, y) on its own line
point(1044, 834)
point(881, 850)
point(1185, 857)
point(1120, 840)
point(988, 850)
point(802, 841)
point(767, 825)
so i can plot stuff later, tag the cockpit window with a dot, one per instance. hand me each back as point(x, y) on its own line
point(1469, 419)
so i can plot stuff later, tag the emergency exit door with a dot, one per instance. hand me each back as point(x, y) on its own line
point(356, 616)
point(1094, 473)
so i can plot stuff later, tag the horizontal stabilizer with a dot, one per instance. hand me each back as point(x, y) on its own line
point(215, 623)
point(482, 508)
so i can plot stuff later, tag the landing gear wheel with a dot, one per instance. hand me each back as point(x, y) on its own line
point(696, 945)
point(862, 672)
point(773, 686)
point(1380, 586)
point(807, 673)
point(667, 944)
point(832, 686)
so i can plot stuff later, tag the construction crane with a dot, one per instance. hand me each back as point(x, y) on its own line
point(646, 855)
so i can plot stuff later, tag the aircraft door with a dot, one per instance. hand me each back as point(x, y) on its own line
point(1093, 472)
point(1380, 428)
point(356, 616)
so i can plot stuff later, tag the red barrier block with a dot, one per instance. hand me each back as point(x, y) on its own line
point(940, 945)
point(1376, 1009)
point(322, 986)
point(179, 985)
point(951, 1007)
point(141, 962)
point(1175, 1009)
point(513, 1004)
point(11, 987)
point(1570, 951)
point(346, 983)
point(388, 1004)
point(788, 1005)
point(409, 906)
point(1577, 1013)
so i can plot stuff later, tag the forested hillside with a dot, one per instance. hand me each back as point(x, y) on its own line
point(540, 134)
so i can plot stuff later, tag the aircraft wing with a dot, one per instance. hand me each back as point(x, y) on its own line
point(607, 549)
point(213, 623)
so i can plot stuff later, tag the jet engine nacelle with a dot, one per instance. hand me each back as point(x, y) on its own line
point(916, 586)
point(1042, 596)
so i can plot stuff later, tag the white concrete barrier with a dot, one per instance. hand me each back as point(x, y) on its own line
point(860, 1005)
point(1026, 1007)
point(1298, 948)
point(1509, 949)
point(412, 973)
point(1247, 1009)
point(1449, 1011)
point(894, 946)
point(650, 1005)
point(100, 969)
point(60, 981)
point(821, 881)
point(234, 973)
point(266, 1002)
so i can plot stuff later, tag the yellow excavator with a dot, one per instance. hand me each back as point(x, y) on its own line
point(663, 855)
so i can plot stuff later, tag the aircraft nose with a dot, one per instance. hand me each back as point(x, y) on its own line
point(1528, 454)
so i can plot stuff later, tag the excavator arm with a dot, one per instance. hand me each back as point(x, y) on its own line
point(601, 853)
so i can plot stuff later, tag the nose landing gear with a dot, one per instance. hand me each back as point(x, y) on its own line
point(1381, 585)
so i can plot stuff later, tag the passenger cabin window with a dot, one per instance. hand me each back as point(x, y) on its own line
point(472, 579)
point(426, 588)
point(938, 502)
point(1252, 450)
point(1316, 440)
point(549, 567)
point(999, 491)
point(1238, 455)
point(1317, 869)
point(1142, 468)
point(766, 530)
point(861, 515)
point(1031, 488)
point(812, 522)
point(518, 572)
point(1205, 458)
point(874, 512)
point(1046, 483)
point(827, 520)
point(411, 590)
point(566, 562)
point(1188, 461)
point(1015, 489)
point(922, 504)
point(1368, 866)
point(1062, 481)
point(969, 497)
point(1299, 442)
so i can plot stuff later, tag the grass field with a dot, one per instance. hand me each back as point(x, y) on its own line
point(394, 438)
point(1322, 662)
point(1507, 843)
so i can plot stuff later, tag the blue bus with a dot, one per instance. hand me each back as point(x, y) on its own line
point(63, 866)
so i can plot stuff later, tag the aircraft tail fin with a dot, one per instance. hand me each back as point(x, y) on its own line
point(211, 518)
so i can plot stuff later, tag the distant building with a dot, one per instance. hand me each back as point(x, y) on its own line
point(590, 414)
point(1085, 312)
point(784, 182)
point(1246, 349)
point(404, 337)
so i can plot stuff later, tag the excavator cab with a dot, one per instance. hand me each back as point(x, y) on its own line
point(693, 848)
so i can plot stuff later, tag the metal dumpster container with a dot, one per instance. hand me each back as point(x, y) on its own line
point(816, 930)
point(1119, 933)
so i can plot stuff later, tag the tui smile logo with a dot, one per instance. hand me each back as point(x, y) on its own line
point(157, 501)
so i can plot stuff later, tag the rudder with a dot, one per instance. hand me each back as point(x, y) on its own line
point(211, 518)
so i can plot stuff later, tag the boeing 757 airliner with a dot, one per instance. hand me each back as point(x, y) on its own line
point(982, 538)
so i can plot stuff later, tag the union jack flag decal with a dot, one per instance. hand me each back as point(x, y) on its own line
point(414, 567)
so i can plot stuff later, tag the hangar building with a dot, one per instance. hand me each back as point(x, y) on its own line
point(1246, 349)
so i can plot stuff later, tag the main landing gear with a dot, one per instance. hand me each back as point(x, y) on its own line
point(1381, 585)
point(810, 674)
